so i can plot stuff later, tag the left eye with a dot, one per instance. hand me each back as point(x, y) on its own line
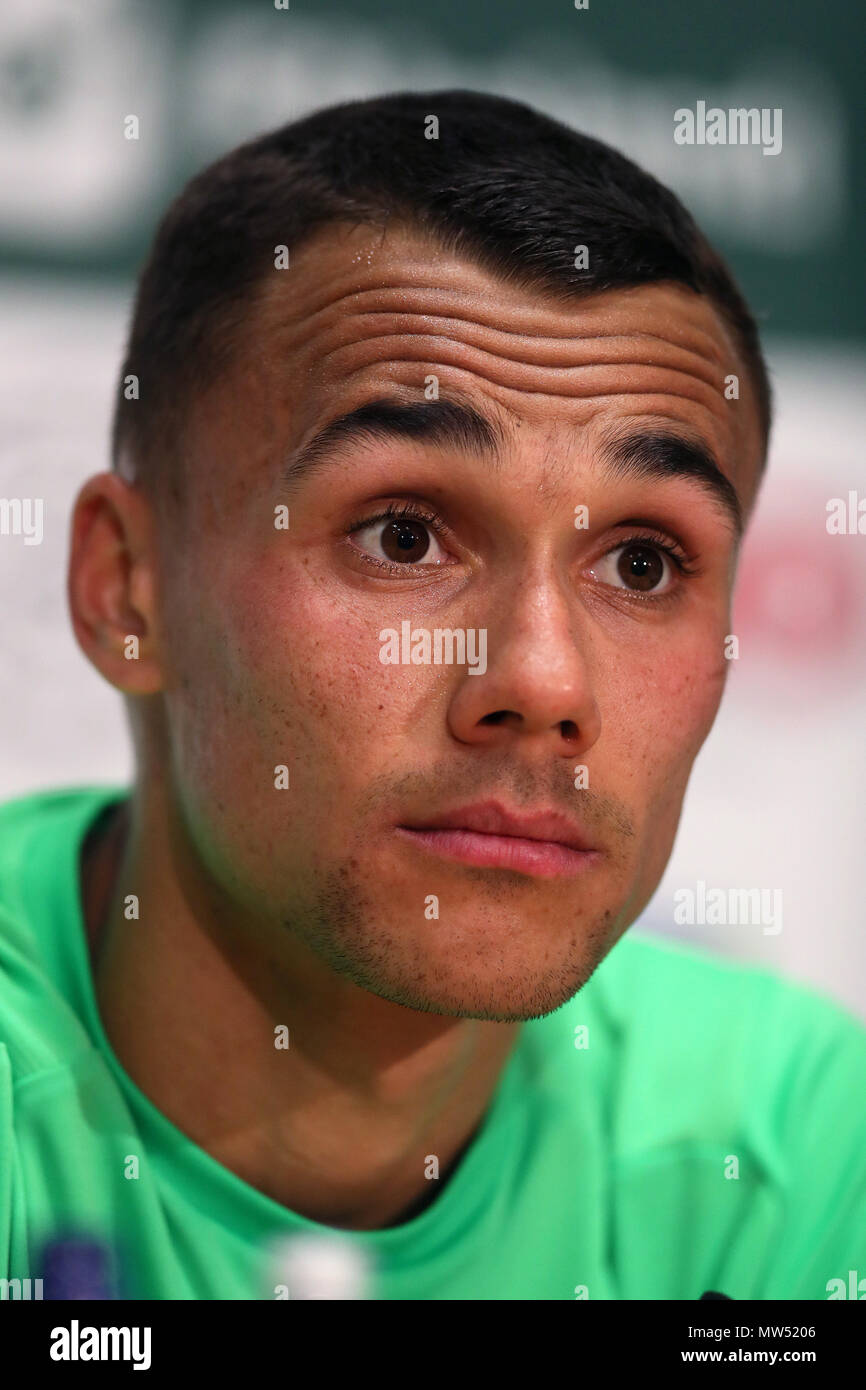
point(637, 566)
point(401, 540)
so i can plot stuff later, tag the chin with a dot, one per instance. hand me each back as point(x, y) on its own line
point(500, 962)
point(515, 995)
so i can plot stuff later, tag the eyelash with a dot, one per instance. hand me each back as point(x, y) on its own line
point(684, 563)
point(398, 511)
point(659, 541)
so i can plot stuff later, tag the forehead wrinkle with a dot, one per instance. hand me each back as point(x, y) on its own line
point(706, 351)
point(577, 384)
point(534, 351)
point(582, 307)
point(543, 303)
point(333, 299)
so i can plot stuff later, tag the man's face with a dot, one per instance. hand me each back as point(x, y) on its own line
point(605, 627)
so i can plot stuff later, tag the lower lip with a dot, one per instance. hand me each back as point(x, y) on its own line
point(541, 858)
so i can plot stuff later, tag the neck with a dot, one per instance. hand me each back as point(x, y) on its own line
point(339, 1125)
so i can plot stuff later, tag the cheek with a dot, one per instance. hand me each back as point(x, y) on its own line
point(268, 673)
point(277, 672)
point(661, 707)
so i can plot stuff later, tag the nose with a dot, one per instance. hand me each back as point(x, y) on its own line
point(538, 681)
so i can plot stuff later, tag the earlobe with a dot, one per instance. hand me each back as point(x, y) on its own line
point(111, 584)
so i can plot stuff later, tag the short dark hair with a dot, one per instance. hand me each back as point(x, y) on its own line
point(502, 184)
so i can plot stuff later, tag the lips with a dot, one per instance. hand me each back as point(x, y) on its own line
point(544, 843)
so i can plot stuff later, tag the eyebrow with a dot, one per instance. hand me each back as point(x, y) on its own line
point(456, 424)
point(664, 454)
point(445, 424)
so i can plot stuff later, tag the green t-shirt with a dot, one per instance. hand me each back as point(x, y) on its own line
point(681, 1124)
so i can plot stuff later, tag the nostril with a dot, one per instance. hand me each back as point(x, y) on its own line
point(496, 717)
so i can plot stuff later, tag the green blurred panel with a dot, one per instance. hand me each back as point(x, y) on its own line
point(199, 76)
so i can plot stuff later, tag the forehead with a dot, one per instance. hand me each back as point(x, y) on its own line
point(362, 312)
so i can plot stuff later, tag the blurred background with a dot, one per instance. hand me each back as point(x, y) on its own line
point(776, 797)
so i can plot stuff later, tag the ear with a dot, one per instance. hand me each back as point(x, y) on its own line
point(112, 584)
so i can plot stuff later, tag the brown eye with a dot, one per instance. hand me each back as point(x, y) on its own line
point(405, 540)
point(640, 567)
point(401, 540)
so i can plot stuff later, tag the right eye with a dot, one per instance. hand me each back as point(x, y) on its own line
point(399, 540)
